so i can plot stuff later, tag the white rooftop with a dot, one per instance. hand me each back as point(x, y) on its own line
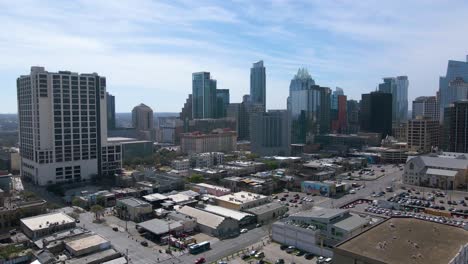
point(226, 212)
point(46, 220)
point(241, 197)
point(154, 197)
point(203, 218)
point(211, 186)
point(86, 242)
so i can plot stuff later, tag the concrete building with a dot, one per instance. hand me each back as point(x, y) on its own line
point(110, 111)
point(203, 95)
point(217, 141)
point(446, 171)
point(426, 107)
point(181, 165)
point(349, 140)
point(158, 228)
point(309, 230)
point(209, 223)
point(133, 209)
point(352, 111)
point(423, 134)
point(241, 113)
point(270, 133)
point(258, 84)
point(405, 240)
point(206, 160)
point(241, 200)
point(63, 127)
point(204, 188)
point(256, 185)
point(398, 88)
point(87, 245)
point(268, 212)
point(456, 127)
point(143, 121)
point(42, 225)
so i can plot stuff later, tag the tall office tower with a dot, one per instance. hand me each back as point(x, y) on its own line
point(270, 133)
point(376, 113)
point(309, 106)
point(110, 111)
point(398, 87)
point(338, 111)
point(352, 113)
point(222, 101)
point(456, 127)
point(143, 122)
point(426, 107)
point(203, 95)
point(258, 84)
point(63, 127)
point(423, 134)
point(242, 112)
point(451, 89)
point(186, 113)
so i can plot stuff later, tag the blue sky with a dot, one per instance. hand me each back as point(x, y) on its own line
point(148, 49)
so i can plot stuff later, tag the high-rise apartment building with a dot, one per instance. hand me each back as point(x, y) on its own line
point(143, 122)
point(63, 127)
point(452, 86)
point(258, 84)
point(423, 134)
point(426, 107)
point(270, 133)
point(398, 87)
point(203, 95)
point(222, 102)
point(110, 111)
point(376, 113)
point(456, 127)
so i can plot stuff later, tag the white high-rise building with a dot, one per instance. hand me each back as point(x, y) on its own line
point(63, 127)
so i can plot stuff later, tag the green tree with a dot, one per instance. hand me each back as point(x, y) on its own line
point(271, 164)
point(252, 156)
point(97, 210)
point(196, 178)
point(77, 202)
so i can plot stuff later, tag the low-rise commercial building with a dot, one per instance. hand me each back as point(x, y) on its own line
point(133, 209)
point(157, 228)
point(243, 219)
point(42, 225)
point(206, 160)
point(257, 185)
point(313, 229)
point(405, 240)
point(268, 212)
point(446, 170)
point(181, 165)
point(204, 188)
point(218, 141)
point(241, 200)
point(86, 245)
point(209, 223)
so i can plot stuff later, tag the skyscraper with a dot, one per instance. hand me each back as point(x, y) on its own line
point(63, 127)
point(222, 102)
point(426, 107)
point(456, 127)
point(143, 121)
point(451, 89)
point(376, 113)
point(398, 87)
point(110, 111)
point(242, 113)
point(334, 97)
point(270, 133)
point(203, 95)
point(352, 112)
point(258, 83)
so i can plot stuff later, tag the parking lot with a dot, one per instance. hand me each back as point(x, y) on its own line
point(297, 201)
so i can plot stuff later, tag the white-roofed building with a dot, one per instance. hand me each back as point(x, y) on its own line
point(210, 223)
point(205, 188)
point(42, 225)
point(242, 218)
point(86, 245)
point(447, 170)
point(241, 200)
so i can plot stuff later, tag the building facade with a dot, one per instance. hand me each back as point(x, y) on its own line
point(222, 102)
point(270, 133)
point(110, 111)
point(452, 86)
point(398, 87)
point(376, 113)
point(423, 134)
point(258, 84)
point(62, 126)
point(426, 107)
point(456, 127)
point(203, 95)
point(143, 121)
point(217, 141)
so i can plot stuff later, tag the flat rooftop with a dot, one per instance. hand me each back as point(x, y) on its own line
point(134, 202)
point(239, 216)
point(46, 220)
point(160, 227)
point(86, 242)
point(264, 208)
point(241, 197)
point(407, 240)
point(320, 212)
point(155, 197)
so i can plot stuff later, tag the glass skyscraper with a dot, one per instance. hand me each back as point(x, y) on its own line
point(258, 83)
point(203, 95)
point(398, 87)
point(454, 85)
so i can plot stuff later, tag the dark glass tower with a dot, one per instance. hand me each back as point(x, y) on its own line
point(258, 83)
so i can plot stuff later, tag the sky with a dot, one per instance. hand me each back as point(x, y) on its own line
point(148, 50)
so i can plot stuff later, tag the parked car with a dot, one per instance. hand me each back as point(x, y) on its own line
point(283, 247)
point(260, 255)
point(244, 230)
point(200, 260)
point(144, 243)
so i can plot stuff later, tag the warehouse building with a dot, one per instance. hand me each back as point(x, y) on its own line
point(157, 228)
point(243, 219)
point(87, 245)
point(133, 209)
point(267, 212)
point(42, 225)
point(241, 200)
point(209, 223)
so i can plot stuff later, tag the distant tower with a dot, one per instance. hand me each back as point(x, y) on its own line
point(203, 95)
point(110, 111)
point(258, 83)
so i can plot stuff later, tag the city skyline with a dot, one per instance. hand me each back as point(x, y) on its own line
point(340, 44)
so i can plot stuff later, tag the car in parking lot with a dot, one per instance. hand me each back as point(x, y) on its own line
point(144, 243)
point(260, 255)
point(200, 260)
point(290, 249)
